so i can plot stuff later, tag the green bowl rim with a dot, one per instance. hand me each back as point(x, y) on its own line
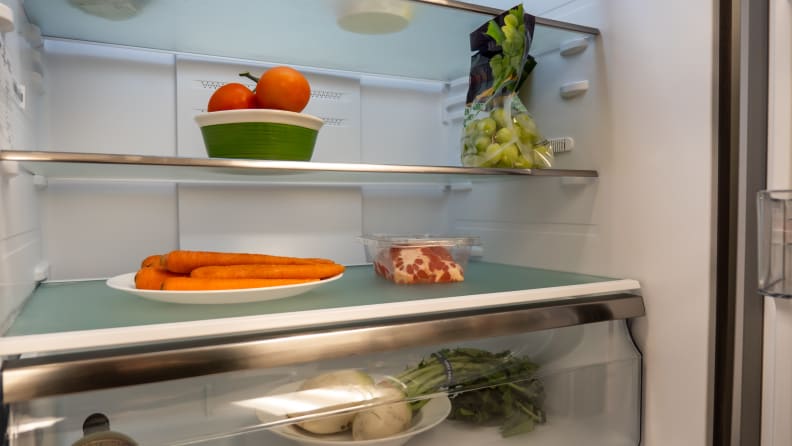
point(259, 115)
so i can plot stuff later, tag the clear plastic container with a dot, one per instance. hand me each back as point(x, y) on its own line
point(775, 242)
point(419, 259)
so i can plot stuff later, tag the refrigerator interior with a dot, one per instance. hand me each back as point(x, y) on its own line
point(645, 124)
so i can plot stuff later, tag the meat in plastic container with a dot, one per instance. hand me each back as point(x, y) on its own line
point(419, 259)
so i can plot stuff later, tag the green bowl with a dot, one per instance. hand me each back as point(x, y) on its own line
point(259, 134)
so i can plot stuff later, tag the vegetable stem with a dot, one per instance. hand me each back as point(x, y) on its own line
point(249, 76)
point(485, 386)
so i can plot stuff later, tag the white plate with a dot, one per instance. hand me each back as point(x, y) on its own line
point(126, 282)
point(430, 415)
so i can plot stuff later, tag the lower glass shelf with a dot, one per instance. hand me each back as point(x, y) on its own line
point(86, 336)
point(573, 385)
point(88, 314)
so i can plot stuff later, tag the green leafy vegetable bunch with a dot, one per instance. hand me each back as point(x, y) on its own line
point(486, 387)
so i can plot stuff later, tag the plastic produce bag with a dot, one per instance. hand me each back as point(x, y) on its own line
point(498, 130)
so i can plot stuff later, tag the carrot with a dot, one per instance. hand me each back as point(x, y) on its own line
point(152, 261)
point(315, 271)
point(181, 261)
point(150, 278)
point(203, 284)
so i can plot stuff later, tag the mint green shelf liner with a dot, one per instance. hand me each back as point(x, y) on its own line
point(87, 305)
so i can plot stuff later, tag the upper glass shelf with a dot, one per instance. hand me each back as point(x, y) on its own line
point(434, 45)
point(67, 165)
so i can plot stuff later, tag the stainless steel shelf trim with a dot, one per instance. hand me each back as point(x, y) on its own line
point(495, 11)
point(265, 166)
point(47, 376)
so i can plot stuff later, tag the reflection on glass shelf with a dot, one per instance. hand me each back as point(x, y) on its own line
point(66, 165)
point(295, 32)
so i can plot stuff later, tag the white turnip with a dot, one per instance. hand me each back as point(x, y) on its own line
point(352, 384)
point(384, 420)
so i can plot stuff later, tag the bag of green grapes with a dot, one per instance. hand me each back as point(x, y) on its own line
point(498, 130)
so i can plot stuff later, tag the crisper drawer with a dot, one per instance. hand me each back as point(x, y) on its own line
point(577, 384)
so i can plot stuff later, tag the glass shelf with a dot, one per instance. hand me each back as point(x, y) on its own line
point(86, 308)
point(296, 32)
point(64, 165)
point(79, 329)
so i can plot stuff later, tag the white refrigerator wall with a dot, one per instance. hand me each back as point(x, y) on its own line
point(646, 124)
point(657, 190)
point(20, 105)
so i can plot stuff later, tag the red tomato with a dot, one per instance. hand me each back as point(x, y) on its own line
point(283, 88)
point(231, 97)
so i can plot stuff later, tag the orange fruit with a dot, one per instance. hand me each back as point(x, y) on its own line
point(283, 88)
point(231, 97)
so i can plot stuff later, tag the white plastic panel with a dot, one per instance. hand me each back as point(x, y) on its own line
point(109, 100)
point(417, 209)
point(401, 123)
point(93, 230)
point(303, 221)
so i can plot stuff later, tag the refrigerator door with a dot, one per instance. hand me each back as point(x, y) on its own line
point(777, 364)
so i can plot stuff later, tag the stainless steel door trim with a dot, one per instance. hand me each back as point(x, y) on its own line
point(29, 378)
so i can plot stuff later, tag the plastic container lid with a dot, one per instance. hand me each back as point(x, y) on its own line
point(422, 240)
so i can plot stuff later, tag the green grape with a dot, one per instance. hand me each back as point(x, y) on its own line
point(510, 155)
point(503, 135)
point(499, 115)
point(487, 126)
point(510, 20)
point(542, 156)
point(525, 121)
point(543, 149)
point(492, 154)
point(467, 147)
point(481, 143)
point(523, 163)
point(472, 160)
point(526, 136)
point(470, 129)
